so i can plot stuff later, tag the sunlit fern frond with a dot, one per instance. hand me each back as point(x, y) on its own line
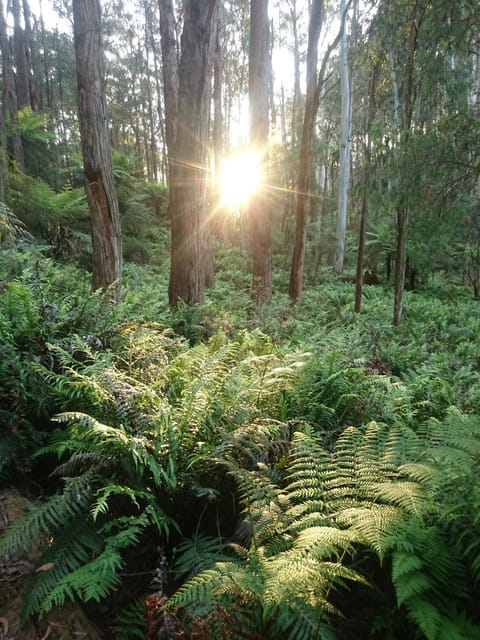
point(11, 227)
point(134, 453)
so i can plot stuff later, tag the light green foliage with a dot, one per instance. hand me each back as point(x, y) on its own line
point(384, 488)
point(167, 406)
point(289, 481)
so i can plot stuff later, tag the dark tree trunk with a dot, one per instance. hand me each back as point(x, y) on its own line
point(97, 160)
point(314, 87)
point(259, 209)
point(22, 79)
point(170, 70)
point(188, 160)
point(365, 189)
point(403, 209)
point(9, 94)
point(30, 51)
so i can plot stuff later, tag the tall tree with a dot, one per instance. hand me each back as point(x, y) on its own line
point(188, 160)
point(365, 187)
point(9, 93)
point(403, 207)
point(315, 81)
point(170, 70)
point(345, 149)
point(259, 208)
point(97, 159)
point(22, 76)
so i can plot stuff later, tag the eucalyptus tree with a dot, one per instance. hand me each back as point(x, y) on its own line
point(345, 147)
point(259, 209)
point(188, 154)
point(315, 83)
point(97, 161)
point(21, 57)
point(9, 93)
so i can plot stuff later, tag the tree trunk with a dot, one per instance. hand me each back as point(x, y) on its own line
point(30, 51)
point(311, 108)
point(9, 94)
point(92, 111)
point(188, 162)
point(259, 208)
point(345, 150)
point(403, 209)
point(365, 189)
point(314, 87)
point(170, 70)
point(22, 79)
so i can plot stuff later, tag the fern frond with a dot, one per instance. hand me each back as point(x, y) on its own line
point(407, 495)
point(195, 555)
point(426, 616)
point(95, 579)
point(375, 524)
point(91, 581)
point(44, 519)
point(70, 548)
point(130, 622)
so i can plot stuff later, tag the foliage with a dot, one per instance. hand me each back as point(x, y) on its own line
point(384, 488)
point(234, 453)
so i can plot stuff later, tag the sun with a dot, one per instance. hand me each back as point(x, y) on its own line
point(239, 178)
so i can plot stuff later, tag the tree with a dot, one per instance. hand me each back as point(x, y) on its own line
point(97, 161)
point(22, 75)
point(258, 92)
point(188, 158)
point(403, 208)
point(315, 83)
point(345, 148)
point(9, 94)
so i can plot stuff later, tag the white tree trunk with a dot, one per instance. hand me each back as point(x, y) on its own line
point(345, 150)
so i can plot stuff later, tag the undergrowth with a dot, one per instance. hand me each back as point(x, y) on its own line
point(300, 472)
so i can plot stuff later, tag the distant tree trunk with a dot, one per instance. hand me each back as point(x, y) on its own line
point(403, 209)
point(9, 94)
point(314, 87)
point(365, 189)
point(22, 79)
point(97, 160)
point(30, 47)
point(218, 223)
point(188, 161)
point(259, 206)
point(311, 108)
point(345, 150)
point(170, 70)
point(296, 73)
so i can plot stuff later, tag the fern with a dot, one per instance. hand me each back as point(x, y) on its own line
point(43, 520)
point(130, 622)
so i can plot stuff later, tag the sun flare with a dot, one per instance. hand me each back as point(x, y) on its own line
point(240, 177)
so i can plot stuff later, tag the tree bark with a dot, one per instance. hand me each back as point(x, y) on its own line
point(170, 70)
point(314, 87)
point(259, 214)
point(188, 161)
point(22, 80)
point(365, 189)
point(403, 209)
point(345, 150)
point(97, 160)
point(9, 93)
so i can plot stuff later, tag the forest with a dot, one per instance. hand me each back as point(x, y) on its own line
point(240, 320)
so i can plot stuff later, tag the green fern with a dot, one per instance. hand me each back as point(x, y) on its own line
point(42, 521)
